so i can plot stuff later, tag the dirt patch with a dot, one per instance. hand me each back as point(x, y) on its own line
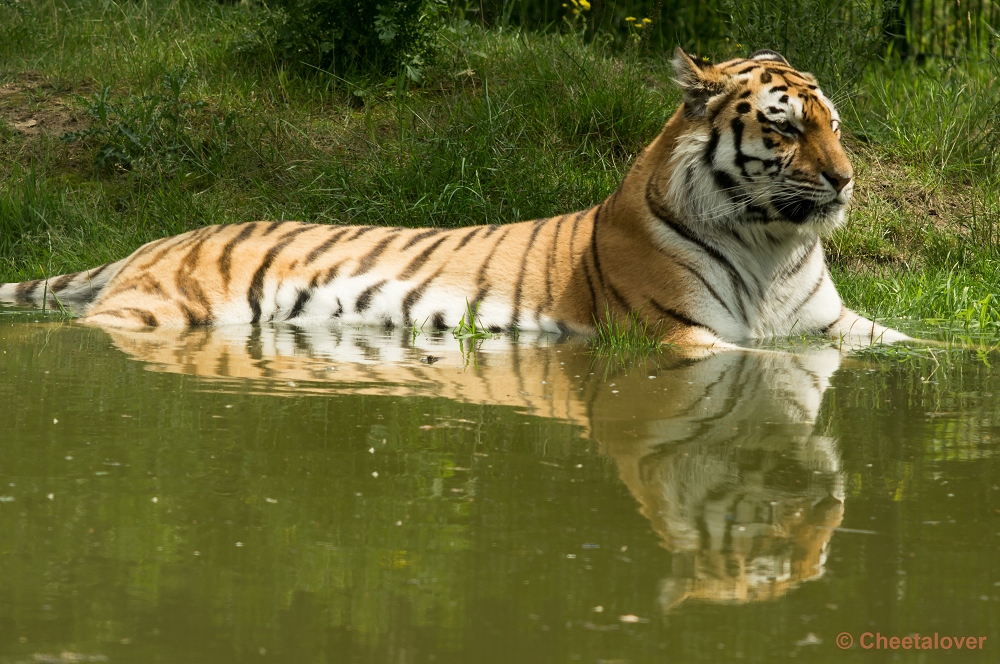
point(34, 107)
point(946, 205)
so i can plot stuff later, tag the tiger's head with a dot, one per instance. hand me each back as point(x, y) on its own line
point(760, 144)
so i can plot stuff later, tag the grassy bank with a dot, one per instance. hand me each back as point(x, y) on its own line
point(504, 126)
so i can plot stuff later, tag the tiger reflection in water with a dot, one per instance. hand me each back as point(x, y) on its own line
point(720, 452)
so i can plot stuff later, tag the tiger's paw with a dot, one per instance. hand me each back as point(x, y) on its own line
point(853, 331)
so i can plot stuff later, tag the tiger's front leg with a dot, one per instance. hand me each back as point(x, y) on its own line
point(692, 337)
point(853, 330)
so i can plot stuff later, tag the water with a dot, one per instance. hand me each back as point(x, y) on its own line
point(279, 495)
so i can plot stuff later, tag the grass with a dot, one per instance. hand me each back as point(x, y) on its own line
point(629, 336)
point(177, 126)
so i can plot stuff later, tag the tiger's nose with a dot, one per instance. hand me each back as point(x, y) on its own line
point(838, 180)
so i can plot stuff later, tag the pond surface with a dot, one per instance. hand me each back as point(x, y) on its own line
point(283, 495)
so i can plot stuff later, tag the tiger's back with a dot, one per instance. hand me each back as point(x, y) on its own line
point(290, 271)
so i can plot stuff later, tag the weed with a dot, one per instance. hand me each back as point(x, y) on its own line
point(152, 134)
point(347, 36)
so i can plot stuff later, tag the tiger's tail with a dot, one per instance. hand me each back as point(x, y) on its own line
point(75, 291)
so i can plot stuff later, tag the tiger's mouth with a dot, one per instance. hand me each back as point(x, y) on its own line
point(801, 210)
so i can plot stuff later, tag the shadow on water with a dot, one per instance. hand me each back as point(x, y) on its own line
point(290, 494)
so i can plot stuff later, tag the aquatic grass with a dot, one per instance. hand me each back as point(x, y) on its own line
point(628, 335)
point(470, 327)
point(957, 349)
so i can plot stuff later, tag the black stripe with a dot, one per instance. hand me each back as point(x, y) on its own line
point(420, 236)
point(788, 273)
point(365, 299)
point(469, 236)
point(812, 293)
point(721, 105)
point(273, 226)
point(256, 291)
point(94, 273)
point(710, 290)
point(361, 231)
point(594, 250)
point(190, 288)
point(63, 281)
point(193, 319)
point(147, 317)
point(226, 258)
point(576, 224)
point(414, 296)
point(420, 259)
point(549, 260)
point(90, 296)
point(618, 296)
point(516, 315)
point(300, 303)
point(843, 311)
point(324, 246)
point(484, 287)
point(142, 251)
point(26, 289)
point(170, 247)
point(685, 233)
point(681, 317)
point(328, 276)
point(367, 262)
point(590, 287)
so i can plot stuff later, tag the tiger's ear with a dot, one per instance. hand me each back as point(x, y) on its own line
point(768, 54)
point(699, 79)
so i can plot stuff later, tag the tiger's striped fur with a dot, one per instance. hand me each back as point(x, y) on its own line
point(715, 233)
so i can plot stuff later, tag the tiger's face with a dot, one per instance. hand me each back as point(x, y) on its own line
point(762, 146)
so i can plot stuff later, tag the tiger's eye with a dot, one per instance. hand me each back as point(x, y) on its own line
point(782, 125)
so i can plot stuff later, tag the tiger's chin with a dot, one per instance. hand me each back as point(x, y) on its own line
point(821, 217)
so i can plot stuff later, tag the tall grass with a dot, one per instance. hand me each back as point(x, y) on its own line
point(943, 114)
point(833, 39)
point(954, 294)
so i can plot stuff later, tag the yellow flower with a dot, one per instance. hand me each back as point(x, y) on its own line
point(647, 21)
point(585, 4)
point(630, 18)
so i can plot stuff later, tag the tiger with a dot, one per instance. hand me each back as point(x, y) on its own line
point(739, 487)
point(713, 236)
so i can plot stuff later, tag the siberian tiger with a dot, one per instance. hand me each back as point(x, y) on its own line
point(714, 233)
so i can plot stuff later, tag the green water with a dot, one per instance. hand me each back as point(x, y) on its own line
point(283, 495)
